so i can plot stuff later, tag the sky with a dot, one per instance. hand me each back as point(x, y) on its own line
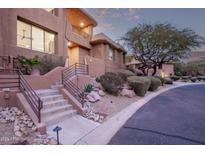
point(116, 22)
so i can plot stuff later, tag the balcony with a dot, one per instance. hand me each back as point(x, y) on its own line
point(80, 32)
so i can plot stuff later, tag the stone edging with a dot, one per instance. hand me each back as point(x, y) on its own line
point(102, 134)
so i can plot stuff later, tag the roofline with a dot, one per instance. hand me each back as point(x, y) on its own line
point(87, 14)
point(108, 41)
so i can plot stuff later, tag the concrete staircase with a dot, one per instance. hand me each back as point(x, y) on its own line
point(55, 107)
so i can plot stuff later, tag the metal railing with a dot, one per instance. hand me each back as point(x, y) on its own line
point(31, 96)
point(14, 79)
point(72, 88)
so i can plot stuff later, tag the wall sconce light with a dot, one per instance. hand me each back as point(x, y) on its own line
point(6, 93)
point(69, 43)
point(82, 24)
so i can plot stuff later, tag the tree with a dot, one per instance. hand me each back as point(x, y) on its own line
point(154, 45)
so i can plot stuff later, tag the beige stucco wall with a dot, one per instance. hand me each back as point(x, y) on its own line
point(11, 101)
point(45, 81)
point(96, 66)
point(38, 17)
point(168, 69)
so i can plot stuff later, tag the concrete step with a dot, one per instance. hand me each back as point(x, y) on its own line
point(47, 92)
point(59, 117)
point(51, 98)
point(55, 110)
point(59, 102)
point(56, 86)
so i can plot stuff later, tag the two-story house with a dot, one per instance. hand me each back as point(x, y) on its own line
point(59, 33)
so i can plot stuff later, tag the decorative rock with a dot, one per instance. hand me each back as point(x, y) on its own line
point(101, 93)
point(16, 128)
point(52, 141)
point(93, 96)
point(127, 93)
point(3, 121)
point(30, 124)
point(18, 133)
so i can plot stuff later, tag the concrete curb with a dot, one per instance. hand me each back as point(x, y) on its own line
point(102, 134)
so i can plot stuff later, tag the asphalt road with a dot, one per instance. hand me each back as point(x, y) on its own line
point(174, 117)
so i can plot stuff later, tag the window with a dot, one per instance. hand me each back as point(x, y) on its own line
point(111, 54)
point(23, 35)
point(49, 42)
point(37, 39)
point(32, 37)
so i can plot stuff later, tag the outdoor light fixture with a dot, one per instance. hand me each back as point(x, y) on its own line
point(81, 24)
point(69, 43)
point(57, 129)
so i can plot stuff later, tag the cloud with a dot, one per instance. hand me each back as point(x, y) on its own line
point(132, 14)
point(106, 26)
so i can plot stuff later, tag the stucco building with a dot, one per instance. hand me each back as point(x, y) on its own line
point(65, 34)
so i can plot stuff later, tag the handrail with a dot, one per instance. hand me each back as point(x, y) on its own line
point(30, 95)
point(68, 73)
point(20, 82)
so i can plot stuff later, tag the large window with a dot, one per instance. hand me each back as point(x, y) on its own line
point(49, 42)
point(111, 53)
point(23, 35)
point(32, 37)
point(37, 39)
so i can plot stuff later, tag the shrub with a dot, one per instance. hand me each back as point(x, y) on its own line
point(168, 81)
point(88, 88)
point(26, 64)
point(191, 69)
point(155, 83)
point(123, 74)
point(193, 79)
point(111, 83)
point(161, 79)
point(49, 62)
point(175, 78)
point(140, 85)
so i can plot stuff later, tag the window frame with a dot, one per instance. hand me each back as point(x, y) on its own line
point(31, 40)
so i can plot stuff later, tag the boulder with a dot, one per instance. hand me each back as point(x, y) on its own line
point(127, 93)
point(93, 97)
point(101, 93)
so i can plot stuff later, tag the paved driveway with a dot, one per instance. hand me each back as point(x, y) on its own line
point(174, 117)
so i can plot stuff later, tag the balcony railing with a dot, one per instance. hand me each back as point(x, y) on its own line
point(80, 32)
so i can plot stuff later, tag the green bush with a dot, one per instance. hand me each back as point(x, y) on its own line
point(190, 69)
point(168, 81)
point(175, 78)
point(161, 79)
point(123, 74)
point(111, 83)
point(155, 83)
point(88, 88)
point(26, 64)
point(193, 79)
point(140, 85)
